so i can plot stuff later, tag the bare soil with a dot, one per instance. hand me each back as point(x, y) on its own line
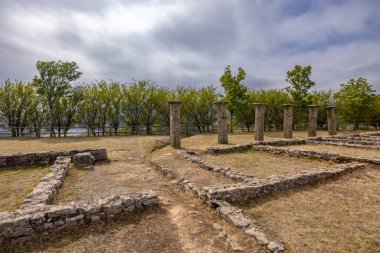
point(370, 153)
point(187, 170)
point(180, 224)
point(341, 216)
point(16, 183)
point(262, 164)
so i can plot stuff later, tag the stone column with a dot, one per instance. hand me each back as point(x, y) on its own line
point(331, 122)
point(222, 123)
point(175, 124)
point(313, 117)
point(288, 121)
point(259, 121)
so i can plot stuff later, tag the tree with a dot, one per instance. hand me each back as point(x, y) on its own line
point(115, 115)
point(53, 83)
point(198, 107)
point(322, 99)
point(135, 95)
point(235, 91)
point(355, 99)
point(69, 108)
point(89, 108)
point(15, 104)
point(154, 103)
point(300, 84)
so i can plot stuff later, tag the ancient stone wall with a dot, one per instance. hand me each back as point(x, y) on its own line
point(236, 176)
point(273, 184)
point(28, 159)
point(328, 156)
point(45, 192)
point(41, 218)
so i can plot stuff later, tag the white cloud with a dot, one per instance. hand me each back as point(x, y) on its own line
point(190, 42)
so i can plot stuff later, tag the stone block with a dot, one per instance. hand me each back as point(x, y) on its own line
point(83, 159)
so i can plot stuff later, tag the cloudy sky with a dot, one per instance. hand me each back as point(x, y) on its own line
point(191, 42)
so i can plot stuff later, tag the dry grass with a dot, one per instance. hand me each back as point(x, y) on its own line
point(150, 231)
point(370, 153)
point(341, 216)
point(16, 184)
point(183, 169)
point(262, 164)
point(204, 141)
point(137, 143)
point(180, 225)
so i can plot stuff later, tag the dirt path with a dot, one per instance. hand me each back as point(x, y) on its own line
point(180, 224)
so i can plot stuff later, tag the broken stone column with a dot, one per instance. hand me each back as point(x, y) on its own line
point(259, 121)
point(313, 117)
point(175, 124)
point(331, 121)
point(288, 121)
point(222, 123)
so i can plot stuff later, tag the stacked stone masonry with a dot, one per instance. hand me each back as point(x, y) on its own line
point(328, 156)
point(236, 176)
point(249, 226)
point(47, 189)
point(274, 184)
point(41, 218)
point(22, 159)
point(226, 211)
point(37, 216)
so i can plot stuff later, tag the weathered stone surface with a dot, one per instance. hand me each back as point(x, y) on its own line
point(47, 157)
point(46, 190)
point(273, 184)
point(43, 218)
point(236, 176)
point(237, 218)
point(57, 211)
point(85, 159)
point(175, 124)
point(275, 247)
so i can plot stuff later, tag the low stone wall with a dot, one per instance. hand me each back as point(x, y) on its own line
point(344, 144)
point(41, 218)
point(273, 184)
point(45, 192)
point(226, 211)
point(329, 156)
point(230, 149)
point(22, 159)
point(249, 226)
point(236, 176)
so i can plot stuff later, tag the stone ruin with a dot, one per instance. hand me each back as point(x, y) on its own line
point(38, 215)
point(248, 187)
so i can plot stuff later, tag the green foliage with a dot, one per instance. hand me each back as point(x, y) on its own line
point(53, 83)
point(236, 92)
point(323, 99)
point(198, 106)
point(16, 105)
point(356, 101)
point(300, 84)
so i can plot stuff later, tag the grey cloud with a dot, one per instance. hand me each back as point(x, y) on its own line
point(190, 42)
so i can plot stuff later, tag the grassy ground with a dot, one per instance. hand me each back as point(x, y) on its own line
point(202, 142)
point(184, 169)
point(137, 143)
point(261, 164)
point(181, 224)
point(371, 153)
point(341, 216)
point(16, 184)
point(341, 211)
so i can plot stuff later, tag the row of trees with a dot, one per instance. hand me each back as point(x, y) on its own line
point(356, 101)
point(53, 103)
